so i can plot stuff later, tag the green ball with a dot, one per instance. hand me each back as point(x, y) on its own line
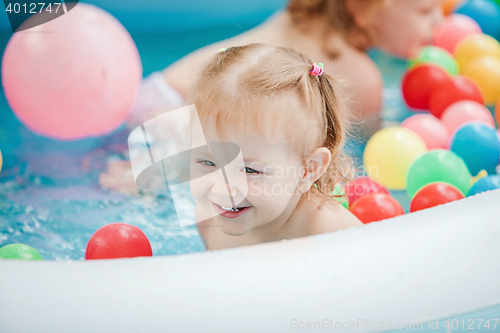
point(339, 190)
point(437, 56)
point(19, 251)
point(438, 166)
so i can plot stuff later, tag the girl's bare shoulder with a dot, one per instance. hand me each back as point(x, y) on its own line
point(332, 217)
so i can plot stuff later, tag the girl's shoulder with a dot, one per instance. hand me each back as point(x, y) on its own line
point(330, 217)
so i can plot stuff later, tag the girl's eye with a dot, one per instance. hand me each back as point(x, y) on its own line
point(426, 11)
point(207, 163)
point(252, 171)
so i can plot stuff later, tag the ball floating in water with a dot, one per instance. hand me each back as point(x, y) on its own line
point(449, 6)
point(430, 129)
point(437, 56)
point(474, 47)
point(435, 194)
point(462, 112)
point(454, 30)
point(485, 12)
point(362, 186)
point(19, 251)
point(438, 166)
point(485, 184)
point(79, 80)
point(118, 240)
point(376, 207)
point(497, 113)
point(478, 145)
point(419, 83)
point(458, 89)
point(485, 71)
point(388, 155)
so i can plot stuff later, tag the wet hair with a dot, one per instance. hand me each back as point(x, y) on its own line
point(338, 16)
point(271, 89)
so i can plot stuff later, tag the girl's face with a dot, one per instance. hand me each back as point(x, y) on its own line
point(262, 186)
point(403, 27)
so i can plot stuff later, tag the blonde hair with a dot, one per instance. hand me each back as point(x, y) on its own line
point(338, 16)
point(272, 85)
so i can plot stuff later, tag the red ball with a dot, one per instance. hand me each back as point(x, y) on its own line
point(419, 83)
point(435, 194)
point(362, 186)
point(375, 207)
point(118, 240)
point(458, 89)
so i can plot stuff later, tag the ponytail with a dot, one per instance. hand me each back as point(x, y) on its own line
point(337, 129)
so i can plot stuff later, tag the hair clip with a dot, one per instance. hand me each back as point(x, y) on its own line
point(317, 69)
point(222, 50)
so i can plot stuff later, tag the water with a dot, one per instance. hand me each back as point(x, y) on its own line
point(50, 197)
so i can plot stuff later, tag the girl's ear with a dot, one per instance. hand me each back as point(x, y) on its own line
point(316, 165)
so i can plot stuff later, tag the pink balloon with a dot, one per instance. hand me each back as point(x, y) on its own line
point(75, 76)
point(454, 30)
point(430, 129)
point(462, 112)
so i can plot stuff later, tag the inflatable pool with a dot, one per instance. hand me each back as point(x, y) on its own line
point(433, 270)
point(436, 270)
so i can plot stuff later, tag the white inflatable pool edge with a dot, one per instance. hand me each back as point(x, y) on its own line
point(419, 267)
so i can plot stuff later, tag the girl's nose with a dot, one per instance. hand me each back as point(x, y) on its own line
point(438, 17)
point(221, 188)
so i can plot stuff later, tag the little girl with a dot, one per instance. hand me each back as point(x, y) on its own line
point(290, 122)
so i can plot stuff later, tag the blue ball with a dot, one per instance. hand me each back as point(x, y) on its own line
point(485, 12)
point(478, 145)
point(485, 184)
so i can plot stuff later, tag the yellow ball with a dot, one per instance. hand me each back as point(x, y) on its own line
point(389, 154)
point(485, 71)
point(475, 47)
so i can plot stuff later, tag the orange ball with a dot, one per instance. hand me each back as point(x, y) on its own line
point(497, 113)
point(449, 5)
point(485, 71)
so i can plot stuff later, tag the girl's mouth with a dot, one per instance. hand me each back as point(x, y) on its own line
point(230, 212)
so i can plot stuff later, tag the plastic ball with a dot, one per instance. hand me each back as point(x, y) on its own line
point(497, 113)
point(474, 47)
point(478, 145)
point(458, 89)
point(73, 77)
point(438, 166)
point(340, 191)
point(485, 71)
point(463, 112)
point(437, 56)
point(376, 207)
point(430, 129)
point(485, 12)
point(485, 184)
point(389, 153)
point(118, 240)
point(419, 82)
point(362, 186)
point(19, 251)
point(498, 134)
point(433, 195)
point(449, 6)
point(454, 30)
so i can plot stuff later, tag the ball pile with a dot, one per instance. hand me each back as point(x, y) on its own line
point(450, 148)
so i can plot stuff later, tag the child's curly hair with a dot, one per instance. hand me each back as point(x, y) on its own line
point(272, 88)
